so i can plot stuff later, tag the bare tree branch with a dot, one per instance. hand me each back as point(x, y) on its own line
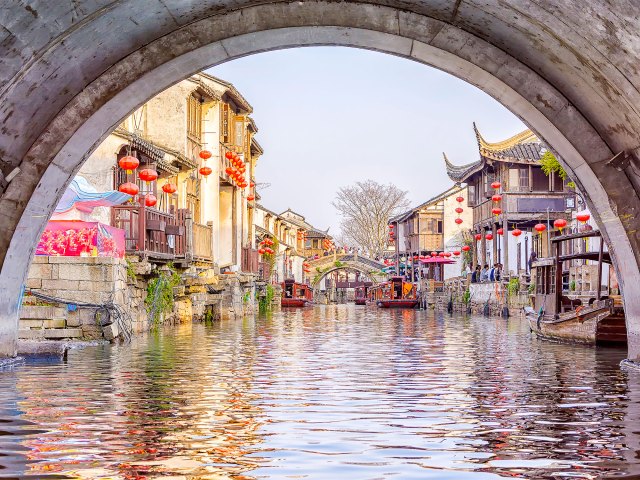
point(366, 208)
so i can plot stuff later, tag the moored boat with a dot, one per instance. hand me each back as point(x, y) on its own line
point(361, 295)
point(597, 320)
point(396, 293)
point(295, 294)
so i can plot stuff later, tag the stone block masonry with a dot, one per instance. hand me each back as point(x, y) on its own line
point(124, 283)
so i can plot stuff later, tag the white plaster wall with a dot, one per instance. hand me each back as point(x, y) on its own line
point(450, 227)
point(225, 243)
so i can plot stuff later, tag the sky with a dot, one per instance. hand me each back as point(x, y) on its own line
point(332, 116)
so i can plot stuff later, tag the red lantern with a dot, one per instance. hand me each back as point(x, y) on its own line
point(459, 210)
point(229, 170)
point(457, 252)
point(228, 155)
point(251, 198)
point(478, 236)
point(496, 198)
point(150, 200)
point(466, 248)
point(128, 163)
point(489, 236)
point(447, 254)
point(205, 154)
point(458, 221)
point(205, 171)
point(441, 254)
point(415, 257)
point(560, 224)
point(169, 188)
point(434, 254)
point(261, 251)
point(129, 188)
point(540, 227)
point(496, 211)
point(516, 232)
point(495, 185)
point(459, 199)
point(148, 175)
point(252, 184)
point(583, 217)
point(500, 231)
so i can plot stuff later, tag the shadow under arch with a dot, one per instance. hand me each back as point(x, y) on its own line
point(353, 267)
point(76, 130)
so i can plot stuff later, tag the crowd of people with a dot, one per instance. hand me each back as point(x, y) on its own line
point(486, 274)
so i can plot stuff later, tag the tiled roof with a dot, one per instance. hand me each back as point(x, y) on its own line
point(458, 173)
point(523, 147)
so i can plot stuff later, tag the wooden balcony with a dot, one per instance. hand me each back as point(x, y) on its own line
point(523, 207)
point(163, 236)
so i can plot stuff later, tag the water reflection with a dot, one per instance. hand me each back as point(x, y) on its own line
point(328, 392)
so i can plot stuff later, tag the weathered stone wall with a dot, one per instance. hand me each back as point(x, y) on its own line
point(78, 282)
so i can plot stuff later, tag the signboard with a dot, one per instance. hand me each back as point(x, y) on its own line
point(540, 204)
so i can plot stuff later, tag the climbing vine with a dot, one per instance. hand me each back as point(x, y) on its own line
point(550, 164)
point(265, 301)
point(160, 298)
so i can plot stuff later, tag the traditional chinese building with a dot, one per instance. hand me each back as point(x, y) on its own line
point(429, 227)
point(196, 209)
point(526, 196)
point(291, 231)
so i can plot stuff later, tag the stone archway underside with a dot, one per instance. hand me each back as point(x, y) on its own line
point(72, 70)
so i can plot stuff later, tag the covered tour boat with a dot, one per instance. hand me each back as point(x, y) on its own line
point(396, 293)
point(361, 295)
point(295, 294)
point(594, 320)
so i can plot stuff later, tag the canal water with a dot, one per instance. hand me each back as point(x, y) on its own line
point(329, 392)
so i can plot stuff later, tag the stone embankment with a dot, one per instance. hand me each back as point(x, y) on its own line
point(89, 298)
point(490, 298)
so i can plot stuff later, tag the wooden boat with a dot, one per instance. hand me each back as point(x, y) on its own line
point(396, 293)
point(295, 294)
point(599, 320)
point(361, 295)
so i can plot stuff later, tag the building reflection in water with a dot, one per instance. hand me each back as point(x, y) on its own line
point(326, 392)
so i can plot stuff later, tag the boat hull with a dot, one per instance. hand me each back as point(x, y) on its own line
point(590, 326)
point(294, 302)
point(360, 301)
point(406, 303)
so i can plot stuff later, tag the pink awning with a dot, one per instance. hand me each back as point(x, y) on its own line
point(444, 260)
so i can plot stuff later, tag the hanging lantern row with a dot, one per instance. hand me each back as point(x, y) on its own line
point(237, 170)
point(265, 247)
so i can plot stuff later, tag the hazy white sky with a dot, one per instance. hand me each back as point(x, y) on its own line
point(330, 116)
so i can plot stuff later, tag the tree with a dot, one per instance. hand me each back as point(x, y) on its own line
point(366, 208)
point(550, 164)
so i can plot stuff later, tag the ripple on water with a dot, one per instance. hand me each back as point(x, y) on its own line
point(326, 392)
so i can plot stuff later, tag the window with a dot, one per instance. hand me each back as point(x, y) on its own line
point(439, 226)
point(540, 180)
point(557, 182)
point(239, 131)
point(194, 117)
point(523, 178)
point(471, 196)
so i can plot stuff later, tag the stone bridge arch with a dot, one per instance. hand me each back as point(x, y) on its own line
point(333, 263)
point(72, 71)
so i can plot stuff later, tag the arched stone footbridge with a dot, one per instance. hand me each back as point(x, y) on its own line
point(323, 266)
point(71, 71)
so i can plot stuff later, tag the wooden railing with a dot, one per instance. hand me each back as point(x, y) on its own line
point(202, 242)
point(516, 204)
point(149, 232)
